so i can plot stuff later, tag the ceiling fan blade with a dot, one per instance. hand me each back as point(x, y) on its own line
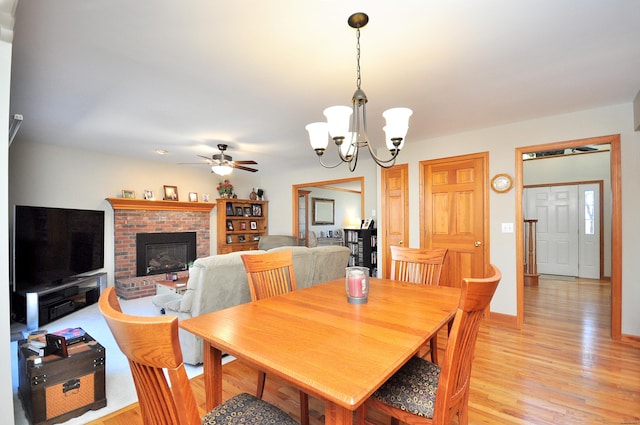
point(192, 163)
point(207, 158)
point(246, 162)
point(240, 167)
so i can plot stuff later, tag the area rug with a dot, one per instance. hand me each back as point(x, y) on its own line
point(120, 390)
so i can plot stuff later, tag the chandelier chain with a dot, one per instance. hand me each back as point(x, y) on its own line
point(358, 78)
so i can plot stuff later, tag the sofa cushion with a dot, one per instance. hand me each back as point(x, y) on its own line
point(303, 263)
point(273, 241)
point(330, 263)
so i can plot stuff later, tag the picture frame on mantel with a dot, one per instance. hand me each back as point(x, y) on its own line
point(128, 194)
point(170, 193)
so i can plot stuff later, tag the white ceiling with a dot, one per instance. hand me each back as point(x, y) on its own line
point(128, 77)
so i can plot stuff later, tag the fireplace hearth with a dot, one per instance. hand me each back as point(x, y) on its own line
point(158, 253)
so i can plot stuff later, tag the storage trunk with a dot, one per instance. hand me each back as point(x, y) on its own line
point(54, 389)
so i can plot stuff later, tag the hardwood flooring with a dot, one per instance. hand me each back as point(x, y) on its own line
point(560, 368)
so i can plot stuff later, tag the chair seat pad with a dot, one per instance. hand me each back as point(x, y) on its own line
point(246, 409)
point(413, 388)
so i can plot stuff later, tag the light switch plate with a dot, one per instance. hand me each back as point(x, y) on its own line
point(507, 227)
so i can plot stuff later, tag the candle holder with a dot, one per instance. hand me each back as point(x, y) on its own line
point(357, 284)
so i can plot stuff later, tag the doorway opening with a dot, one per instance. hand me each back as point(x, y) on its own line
point(616, 222)
point(300, 201)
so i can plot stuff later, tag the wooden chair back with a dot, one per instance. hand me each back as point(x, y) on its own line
point(270, 274)
point(152, 347)
point(417, 265)
point(453, 386)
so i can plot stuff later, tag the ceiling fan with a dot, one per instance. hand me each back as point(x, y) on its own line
point(222, 164)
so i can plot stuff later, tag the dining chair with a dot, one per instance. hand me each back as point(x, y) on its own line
point(422, 392)
point(418, 265)
point(271, 274)
point(165, 396)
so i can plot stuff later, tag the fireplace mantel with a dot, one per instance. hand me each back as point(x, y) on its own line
point(148, 205)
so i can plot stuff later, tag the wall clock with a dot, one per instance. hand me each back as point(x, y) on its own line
point(501, 183)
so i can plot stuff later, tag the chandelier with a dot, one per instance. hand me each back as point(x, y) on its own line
point(347, 126)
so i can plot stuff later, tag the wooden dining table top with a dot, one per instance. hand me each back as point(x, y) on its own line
point(320, 343)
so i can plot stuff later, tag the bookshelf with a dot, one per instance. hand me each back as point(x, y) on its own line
point(241, 224)
point(363, 244)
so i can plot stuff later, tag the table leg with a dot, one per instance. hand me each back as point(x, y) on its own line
point(337, 415)
point(212, 370)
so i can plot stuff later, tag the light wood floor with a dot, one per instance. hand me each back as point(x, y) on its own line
point(560, 368)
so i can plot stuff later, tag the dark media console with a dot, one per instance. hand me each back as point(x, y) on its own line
point(40, 305)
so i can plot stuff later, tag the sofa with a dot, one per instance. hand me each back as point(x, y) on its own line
point(220, 281)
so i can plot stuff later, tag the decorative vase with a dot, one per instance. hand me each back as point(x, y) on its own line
point(253, 195)
point(225, 195)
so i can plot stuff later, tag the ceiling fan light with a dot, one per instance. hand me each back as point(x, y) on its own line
point(338, 118)
point(397, 122)
point(221, 169)
point(318, 135)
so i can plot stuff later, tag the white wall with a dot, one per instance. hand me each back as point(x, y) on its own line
point(346, 206)
point(501, 143)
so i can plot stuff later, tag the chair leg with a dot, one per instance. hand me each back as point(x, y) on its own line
point(433, 343)
point(304, 408)
point(262, 377)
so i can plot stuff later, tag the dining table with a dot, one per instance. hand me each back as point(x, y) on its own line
point(317, 341)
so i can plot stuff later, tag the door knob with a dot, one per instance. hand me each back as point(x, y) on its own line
point(400, 242)
point(478, 243)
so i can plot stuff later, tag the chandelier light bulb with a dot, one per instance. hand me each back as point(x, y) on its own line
point(338, 118)
point(318, 135)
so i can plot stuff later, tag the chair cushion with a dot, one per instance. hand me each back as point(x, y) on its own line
point(413, 388)
point(246, 409)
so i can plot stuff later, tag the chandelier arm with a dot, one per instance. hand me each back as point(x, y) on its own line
point(391, 161)
point(327, 165)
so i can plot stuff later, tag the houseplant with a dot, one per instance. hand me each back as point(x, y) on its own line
point(225, 189)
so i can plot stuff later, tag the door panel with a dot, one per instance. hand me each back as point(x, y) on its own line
point(556, 208)
point(453, 202)
point(394, 229)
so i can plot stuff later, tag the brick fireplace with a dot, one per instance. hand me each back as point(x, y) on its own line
point(135, 216)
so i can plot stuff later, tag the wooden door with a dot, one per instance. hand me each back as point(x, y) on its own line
point(453, 207)
point(394, 229)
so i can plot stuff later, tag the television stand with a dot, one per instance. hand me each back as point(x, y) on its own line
point(42, 304)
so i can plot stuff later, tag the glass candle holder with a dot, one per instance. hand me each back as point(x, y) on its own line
point(357, 284)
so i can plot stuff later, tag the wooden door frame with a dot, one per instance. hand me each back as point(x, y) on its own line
point(616, 223)
point(296, 187)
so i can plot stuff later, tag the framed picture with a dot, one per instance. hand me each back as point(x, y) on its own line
point(253, 225)
point(229, 240)
point(129, 194)
point(170, 193)
point(322, 210)
point(247, 211)
point(367, 223)
point(243, 226)
point(256, 210)
point(229, 210)
point(239, 211)
point(193, 197)
point(148, 194)
point(256, 238)
point(241, 238)
point(229, 225)
point(205, 197)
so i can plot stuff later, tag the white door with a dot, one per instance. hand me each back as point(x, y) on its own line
point(568, 228)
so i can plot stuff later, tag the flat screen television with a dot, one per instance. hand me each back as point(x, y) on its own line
point(54, 245)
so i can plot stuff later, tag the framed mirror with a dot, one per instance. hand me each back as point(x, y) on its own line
point(322, 210)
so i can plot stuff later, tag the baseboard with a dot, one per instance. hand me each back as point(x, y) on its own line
point(501, 319)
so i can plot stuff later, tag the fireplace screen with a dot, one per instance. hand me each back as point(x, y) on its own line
point(164, 252)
